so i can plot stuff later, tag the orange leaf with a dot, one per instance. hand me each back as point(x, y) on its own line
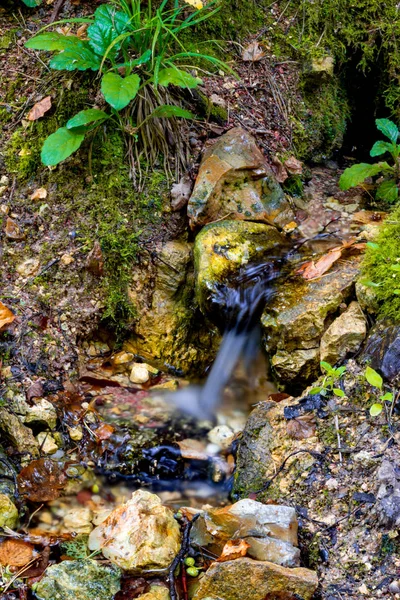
point(104, 431)
point(302, 428)
point(6, 316)
point(233, 549)
point(312, 270)
point(39, 109)
point(15, 553)
point(253, 52)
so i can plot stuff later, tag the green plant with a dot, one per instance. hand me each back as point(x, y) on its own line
point(376, 381)
point(32, 3)
point(388, 182)
point(142, 62)
point(331, 377)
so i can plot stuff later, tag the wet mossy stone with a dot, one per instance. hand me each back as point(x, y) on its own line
point(222, 248)
point(84, 579)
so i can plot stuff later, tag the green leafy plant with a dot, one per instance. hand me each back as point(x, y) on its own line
point(142, 63)
point(32, 3)
point(376, 381)
point(388, 182)
point(329, 382)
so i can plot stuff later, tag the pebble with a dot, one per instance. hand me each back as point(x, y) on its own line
point(221, 435)
point(394, 587)
point(75, 433)
point(139, 373)
point(46, 442)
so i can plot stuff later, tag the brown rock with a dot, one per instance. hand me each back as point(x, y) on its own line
point(235, 182)
point(12, 231)
point(345, 335)
point(260, 581)
point(20, 436)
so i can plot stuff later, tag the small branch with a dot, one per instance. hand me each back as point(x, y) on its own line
point(56, 10)
point(187, 527)
point(339, 441)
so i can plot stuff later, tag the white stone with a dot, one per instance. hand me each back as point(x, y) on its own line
point(221, 435)
point(139, 373)
point(47, 443)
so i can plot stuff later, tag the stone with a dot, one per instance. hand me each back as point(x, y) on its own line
point(141, 534)
point(344, 336)
point(8, 512)
point(75, 433)
point(222, 436)
point(296, 319)
point(78, 520)
point(222, 248)
point(20, 436)
point(156, 592)
point(367, 298)
point(28, 268)
point(322, 65)
point(273, 550)
point(389, 494)
point(382, 350)
point(169, 330)
point(234, 180)
point(260, 580)
point(139, 373)
point(46, 442)
point(84, 579)
point(41, 413)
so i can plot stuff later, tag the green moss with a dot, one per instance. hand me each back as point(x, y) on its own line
point(376, 267)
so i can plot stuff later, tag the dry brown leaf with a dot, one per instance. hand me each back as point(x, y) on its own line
point(39, 109)
point(253, 52)
point(6, 316)
point(302, 428)
point(39, 194)
point(104, 431)
point(234, 549)
point(311, 269)
point(12, 230)
point(81, 31)
point(41, 481)
point(15, 553)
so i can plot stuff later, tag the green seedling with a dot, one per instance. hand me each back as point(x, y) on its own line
point(376, 381)
point(329, 382)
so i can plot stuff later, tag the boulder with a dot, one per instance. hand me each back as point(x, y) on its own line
point(273, 550)
point(41, 413)
point(84, 579)
point(234, 180)
point(344, 336)
point(382, 349)
point(296, 319)
point(260, 580)
point(8, 512)
point(221, 249)
point(141, 534)
point(20, 436)
point(169, 330)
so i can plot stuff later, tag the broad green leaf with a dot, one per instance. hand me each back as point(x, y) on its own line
point(177, 77)
point(315, 390)
point(108, 25)
point(51, 40)
point(372, 284)
point(388, 191)
point(388, 396)
point(395, 267)
point(357, 174)
point(32, 3)
point(339, 371)
point(396, 292)
point(338, 392)
point(381, 147)
point(119, 91)
point(166, 111)
point(388, 128)
point(372, 245)
point(59, 145)
point(73, 59)
point(325, 366)
point(373, 377)
point(84, 117)
point(375, 410)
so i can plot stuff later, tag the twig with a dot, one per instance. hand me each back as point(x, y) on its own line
point(181, 555)
point(56, 10)
point(339, 441)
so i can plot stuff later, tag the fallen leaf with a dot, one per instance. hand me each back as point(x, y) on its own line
point(311, 269)
point(233, 549)
point(39, 109)
point(81, 31)
point(293, 166)
point(6, 316)
point(35, 390)
point(104, 431)
point(253, 52)
point(15, 553)
point(41, 481)
point(39, 194)
point(367, 217)
point(39, 566)
point(193, 449)
point(302, 428)
point(180, 192)
point(95, 260)
point(12, 231)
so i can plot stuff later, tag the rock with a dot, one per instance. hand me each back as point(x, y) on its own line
point(78, 520)
point(222, 248)
point(8, 512)
point(169, 330)
point(261, 580)
point(389, 494)
point(20, 436)
point(75, 433)
point(139, 373)
point(84, 579)
point(382, 349)
point(234, 180)
point(253, 459)
point(180, 192)
point(141, 534)
point(323, 65)
point(344, 336)
point(46, 442)
point(222, 436)
point(28, 268)
point(12, 231)
point(297, 317)
point(41, 413)
point(367, 298)
point(156, 592)
point(273, 550)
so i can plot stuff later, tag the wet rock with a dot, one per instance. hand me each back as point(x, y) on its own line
point(139, 373)
point(78, 520)
point(222, 248)
point(79, 580)
point(141, 534)
point(296, 319)
point(261, 580)
point(170, 331)
point(273, 550)
point(382, 350)
point(156, 592)
point(41, 413)
point(180, 192)
point(235, 180)
point(8, 512)
point(345, 335)
point(254, 457)
point(20, 436)
point(46, 442)
point(323, 65)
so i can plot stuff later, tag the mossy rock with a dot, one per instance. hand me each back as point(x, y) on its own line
point(222, 248)
point(8, 512)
